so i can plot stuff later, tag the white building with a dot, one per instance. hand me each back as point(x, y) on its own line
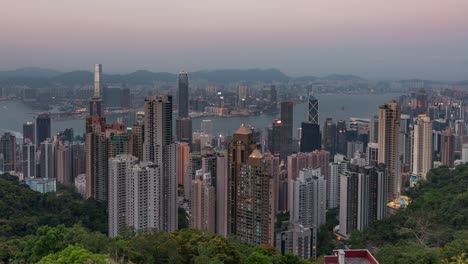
point(422, 146)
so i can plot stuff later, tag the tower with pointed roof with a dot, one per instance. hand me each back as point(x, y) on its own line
point(241, 147)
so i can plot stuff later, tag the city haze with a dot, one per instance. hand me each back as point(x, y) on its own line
point(373, 39)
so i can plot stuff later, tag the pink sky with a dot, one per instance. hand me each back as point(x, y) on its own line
point(373, 38)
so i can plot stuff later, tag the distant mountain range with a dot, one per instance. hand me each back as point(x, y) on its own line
point(38, 77)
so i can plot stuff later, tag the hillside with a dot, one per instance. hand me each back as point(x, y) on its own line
point(433, 228)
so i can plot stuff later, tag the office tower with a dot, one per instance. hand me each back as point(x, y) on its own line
point(405, 143)
point(275, 137)
point(287, 125)
point(136, 140)
point(160, 149)
point(67, 135)
point(298, 240)
point(308, 201)
point(273, 98)
point(389, 127)
point(310, 137)
point(341, 137)
point(448, 148)
point(46, 166)
point(28, 132)
point(421, 102)
point(239, 149)
point(203, 203)
point(363, 197)
point(313, 113)
point(422, 146)
point(242, 93)
point(329, 136)
point(183, 160)
point(374, 130)
point(96, 158)
point(29, 159)
point(184, 129)
point(8, 149)
point(372, 154)
point(63, 163)
point(78, 159)
point(2, 168)
point(183, 122)
point(255, 216)
point(310, 130)
point(222, 197)
point(206, 127)
point(42, 127)
point(95, 105)
point(183, 94)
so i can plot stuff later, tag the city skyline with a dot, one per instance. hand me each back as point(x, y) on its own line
point(421, 39)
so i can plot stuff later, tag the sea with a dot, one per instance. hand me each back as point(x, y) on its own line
point(13, 114)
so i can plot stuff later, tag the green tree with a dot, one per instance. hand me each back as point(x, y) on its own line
point(74, 255)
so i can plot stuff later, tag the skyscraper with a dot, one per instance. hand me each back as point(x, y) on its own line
point(448, 148)
point(329, 136)
point(42, 127)
point(28, 132)
point(183, 122)
point(311, 138)
point(95, 105)
point(308, 203)
point(8, 149)
point(222, 196)
point(389, 127)
point(96, 158)
point(63, 163)
point(29, 159)
point(160, 149)
point(183, 160)
point(46, 162)
point(240, 148)
point(422, 146)
point(203, 203)
point(341, 130)
point(287, 126)
point(255, 213)
point(183, 94)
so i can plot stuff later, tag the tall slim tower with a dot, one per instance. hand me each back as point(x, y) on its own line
point(240, 148)
point(160, 149)
point(389, 127)
point(42, 127)
point(8, 149)
point(183, 122)
point(95, 105)
point(183, 94)
point(311, 138)
point(422, 146)
point(313, 114)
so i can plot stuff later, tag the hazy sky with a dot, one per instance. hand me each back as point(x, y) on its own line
point(371, 38)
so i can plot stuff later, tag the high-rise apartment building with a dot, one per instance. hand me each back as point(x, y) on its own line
point(308, 203)
point(448, 148)
point(422, 146)
point(160, 149)
point(46, 164)
point(222, 195)
point(203, 204)
point(389, 127)
point(8, 149)
point(63, 164)
point(96, 158)
point(183, 161)
point(255, 212)
point(29, 159)
point(241, 147)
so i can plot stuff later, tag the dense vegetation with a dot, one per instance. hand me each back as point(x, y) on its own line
point(434, 227)
point(63, 228)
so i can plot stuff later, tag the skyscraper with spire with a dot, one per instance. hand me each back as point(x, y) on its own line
point(311, 137)
point(95, 105)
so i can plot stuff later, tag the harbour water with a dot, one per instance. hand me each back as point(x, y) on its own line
point(337, 106)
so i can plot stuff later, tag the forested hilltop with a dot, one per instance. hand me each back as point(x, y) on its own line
point(63, 228)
